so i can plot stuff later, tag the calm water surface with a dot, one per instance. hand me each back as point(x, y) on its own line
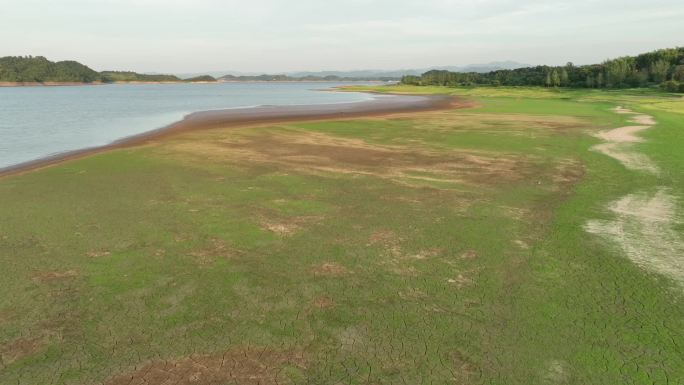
point(36, 122)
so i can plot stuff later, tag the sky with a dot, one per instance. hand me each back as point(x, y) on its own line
point(183, 36)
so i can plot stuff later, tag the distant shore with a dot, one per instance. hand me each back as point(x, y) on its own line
point(71, 84)
point(48, 84)
point(380, 105)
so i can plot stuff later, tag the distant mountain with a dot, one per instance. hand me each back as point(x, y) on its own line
point(364, 74)
point(215, 74)
point(371, 74)
point(486, 67)
point(311, 78)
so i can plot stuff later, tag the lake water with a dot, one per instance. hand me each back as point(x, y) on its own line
point(36, 122)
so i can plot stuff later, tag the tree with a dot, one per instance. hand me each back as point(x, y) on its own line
point(617, 71)
point(678, 73)
point(564, 78)
point(629, 71)
point(599, 80)
point(555, 78)
point(411, 80)
point(670, 86)
point(590, 81)
point(658, 71)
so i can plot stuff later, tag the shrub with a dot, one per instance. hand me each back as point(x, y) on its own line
point(670, 86)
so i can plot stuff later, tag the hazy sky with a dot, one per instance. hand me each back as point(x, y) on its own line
point(274, 35)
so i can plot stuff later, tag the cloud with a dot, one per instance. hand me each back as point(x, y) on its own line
point(192, 35)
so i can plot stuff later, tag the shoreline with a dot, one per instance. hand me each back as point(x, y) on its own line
point(241, 117)
point(49, 84)
point(100, 83)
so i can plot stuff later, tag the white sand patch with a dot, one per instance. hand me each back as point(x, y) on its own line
point(645, 228)
point(625, 134)
point(619, 142)
point(645, 224)
point(646, 120)
point(622, 110)
point(624, 154)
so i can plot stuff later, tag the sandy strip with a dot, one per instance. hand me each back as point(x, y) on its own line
point(381, 105)
point(619, 142)
point(645, 227)
point(645, 224)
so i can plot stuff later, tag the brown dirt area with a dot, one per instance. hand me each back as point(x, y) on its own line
point(20, 348)
point(315, 153)
point(330, 269)
point(217, 248)
point(241, 367)
point(51, 276)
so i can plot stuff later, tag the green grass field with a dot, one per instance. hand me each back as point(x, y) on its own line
point(443, 247)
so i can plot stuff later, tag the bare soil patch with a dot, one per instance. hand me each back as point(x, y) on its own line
point(98, 253)
point(5, 315)
point(619, 143)
point(217, 248)
point(315, 153)
point(52, 276)
point(330, 269)
point(465, 370)
point(240, 367)
point(383, 237)
point(20, 348)
point(323, 302)
point(460, 280)
point(645, 228)
point(388, 239)
point(624, 154)
point(469, 254)
point(425, 254)
point(282, 229)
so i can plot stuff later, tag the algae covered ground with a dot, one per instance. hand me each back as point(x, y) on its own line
point(488, 245)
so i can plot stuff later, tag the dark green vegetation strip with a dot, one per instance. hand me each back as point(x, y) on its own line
point(439, 248)
point(664, 67)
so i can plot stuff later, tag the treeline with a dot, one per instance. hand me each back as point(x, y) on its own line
point(664, 68)
point(37, 69)
point(129, 76)
point(202, 78)
point(286, 78)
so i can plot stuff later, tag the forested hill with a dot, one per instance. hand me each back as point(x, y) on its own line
point(37, 69)
point(663, 68)
point(40, 69)
point(129, 76)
